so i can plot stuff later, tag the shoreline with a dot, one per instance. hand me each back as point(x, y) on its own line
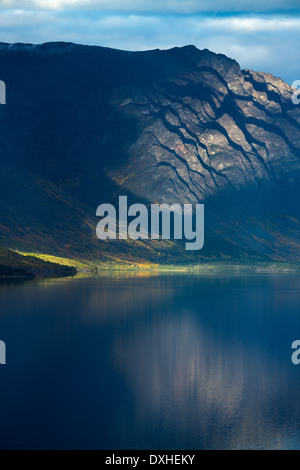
point(20, 265)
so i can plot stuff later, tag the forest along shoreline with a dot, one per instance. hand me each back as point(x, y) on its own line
point(14, 265)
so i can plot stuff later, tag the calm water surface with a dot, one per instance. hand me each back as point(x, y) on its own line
point(158, 362)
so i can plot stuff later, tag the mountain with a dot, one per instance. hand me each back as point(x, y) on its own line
point(83, 125)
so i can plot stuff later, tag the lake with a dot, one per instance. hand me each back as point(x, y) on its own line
point(148, 361)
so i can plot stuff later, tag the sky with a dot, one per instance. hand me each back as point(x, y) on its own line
point(262, 35)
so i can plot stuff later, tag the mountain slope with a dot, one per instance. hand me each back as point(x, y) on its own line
point(85, 124)
point(15, 265)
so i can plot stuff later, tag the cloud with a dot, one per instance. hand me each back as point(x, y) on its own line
point(256, 24)
point(268, 43)
point(174, 6)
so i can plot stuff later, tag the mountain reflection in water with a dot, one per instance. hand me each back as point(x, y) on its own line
point(157, 362)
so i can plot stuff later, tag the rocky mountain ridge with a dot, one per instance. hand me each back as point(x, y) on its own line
point(83, 125)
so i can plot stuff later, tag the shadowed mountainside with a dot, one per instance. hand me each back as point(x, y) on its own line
point(83, 125)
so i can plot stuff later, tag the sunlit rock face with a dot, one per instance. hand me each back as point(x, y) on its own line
point(205, 125)
point(83, 125)
point(208, 131)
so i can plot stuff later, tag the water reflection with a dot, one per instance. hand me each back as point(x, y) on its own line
point(212, 393)
point(158, 362)
point(207, 386)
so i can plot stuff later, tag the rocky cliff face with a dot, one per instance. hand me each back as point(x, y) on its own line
point(206, 126)
point(84, 124)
